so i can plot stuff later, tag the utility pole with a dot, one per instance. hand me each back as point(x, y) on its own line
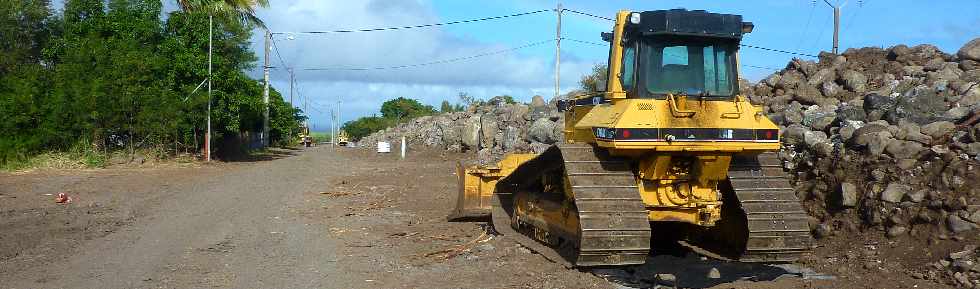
point(265, 90)
point(558, 52)
point(292, 79)
point(837, 6)
point(207, 140)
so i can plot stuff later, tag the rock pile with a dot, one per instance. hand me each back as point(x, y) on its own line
point(883, 139)
point(491, 129)
point(891, 133)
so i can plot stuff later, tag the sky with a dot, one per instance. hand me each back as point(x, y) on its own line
point(801, 26)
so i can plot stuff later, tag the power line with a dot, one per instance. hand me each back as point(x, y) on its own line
point(600, 44)
point(777, 50)
point(745, 45)
point(819, 39)
point(807, 27)
point(746, 65)
point(276, 48)
point(432, 62)
point(587, 14)
point(584, 42)
point(761, 67)
point(414, 26)
point(854, 15)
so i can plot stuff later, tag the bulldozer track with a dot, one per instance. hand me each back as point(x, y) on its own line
point(776, 222)
point(614, 227)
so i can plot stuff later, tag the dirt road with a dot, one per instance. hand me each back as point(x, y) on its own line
point(314, 218)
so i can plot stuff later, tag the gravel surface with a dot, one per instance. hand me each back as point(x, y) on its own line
point(319, 218)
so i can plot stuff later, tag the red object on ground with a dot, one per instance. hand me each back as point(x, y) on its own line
point(62, 198)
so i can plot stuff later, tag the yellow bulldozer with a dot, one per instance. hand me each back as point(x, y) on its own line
point(667, 147)
point(342, 138)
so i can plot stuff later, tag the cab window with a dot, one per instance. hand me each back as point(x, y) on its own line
point(629, 59)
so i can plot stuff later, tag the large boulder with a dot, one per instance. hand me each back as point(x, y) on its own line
point(538, 108)
point(894, 192)
point(543, 131)
point(450, 135)
point(854, 81)
point(971, 96)
point(910, 131)
point(823, 75)
point(488, 129)
point(848, 195)
point(510, 138)
point(939, 129)
point(847, 112)
point(920, 105)
point(793, 113)
point(902, 149)
point(878, 142)
point(794, 135)
point(819, 118)
point(864, 134)
point(970, 50)
point(958, 224)
point(470, 133)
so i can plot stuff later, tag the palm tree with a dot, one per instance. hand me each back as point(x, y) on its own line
point(245, 11)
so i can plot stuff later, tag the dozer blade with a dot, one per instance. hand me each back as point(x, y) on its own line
point(476, 186)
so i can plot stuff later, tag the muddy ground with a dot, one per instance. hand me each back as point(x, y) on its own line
point(343, 218)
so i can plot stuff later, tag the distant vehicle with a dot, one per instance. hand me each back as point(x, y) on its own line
point(342, 138)
point(305, 138)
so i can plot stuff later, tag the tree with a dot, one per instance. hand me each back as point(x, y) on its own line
point(243, 9)
point(401, 108)
point(506, 99)
point(591, 82)
point(445, 107)
point(364, 126)
point(109, 75)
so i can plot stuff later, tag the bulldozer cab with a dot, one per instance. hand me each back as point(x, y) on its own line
point(677, 52)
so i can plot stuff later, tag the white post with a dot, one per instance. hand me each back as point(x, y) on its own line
point(207, 140)
point(403, 147)
point(265, 91)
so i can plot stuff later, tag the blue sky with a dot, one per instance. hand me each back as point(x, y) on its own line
point(803, 26)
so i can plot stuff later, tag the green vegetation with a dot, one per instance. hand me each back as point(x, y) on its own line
point(401, 109)
point(364, 126)
point(319, 136)
point(393, 112)
point(591, 82)
point(113, 76)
